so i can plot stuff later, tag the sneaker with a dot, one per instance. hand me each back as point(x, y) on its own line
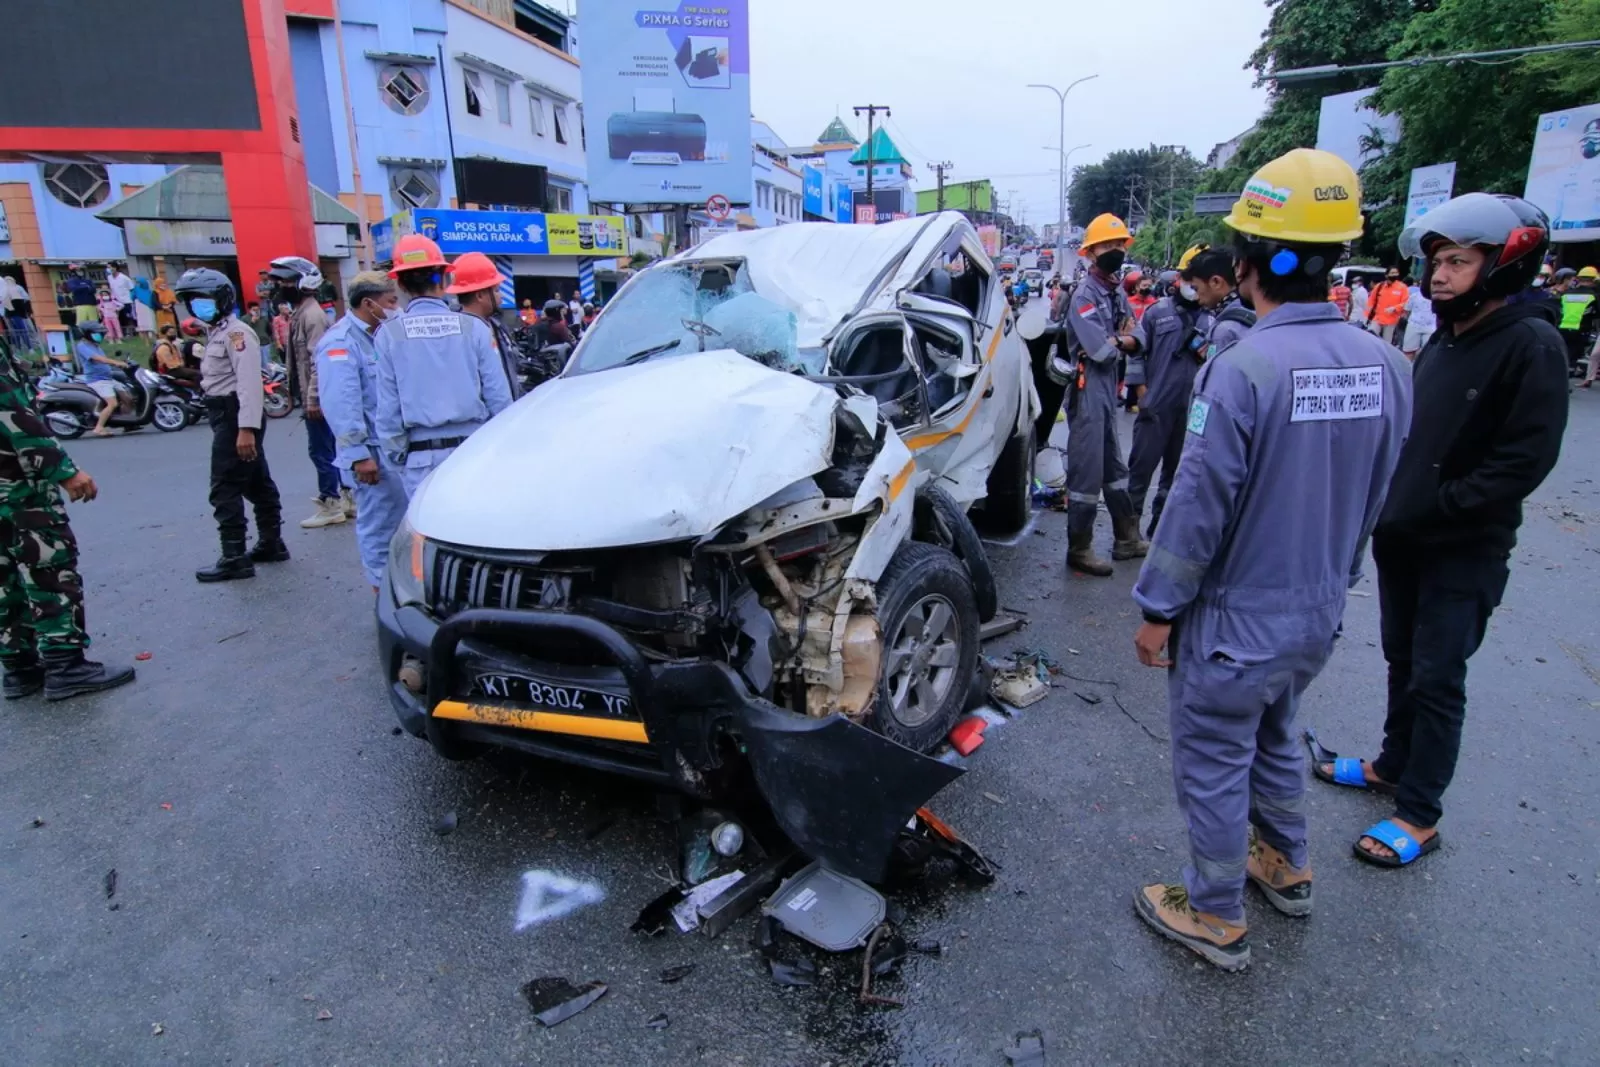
point(347, 501)
point(1286, 887)
point(329, 513)
point(1167, 910)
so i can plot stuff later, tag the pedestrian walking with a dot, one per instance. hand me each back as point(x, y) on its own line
point(121, 287)
point(476, 283)
point(1099, 330)
point(1491, 407)
point(347, 383)
point(1293, 433)
point(299, 282)
point(1360, 299)
point(439, 377)
point(1420, 323)
point(1387, 305)
point(230, 378)
point(42, 630)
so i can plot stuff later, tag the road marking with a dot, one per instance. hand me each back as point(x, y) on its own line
point(547, 895)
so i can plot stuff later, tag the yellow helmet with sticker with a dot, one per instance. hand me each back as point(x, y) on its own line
point(1188, 257)
point(1303, 197)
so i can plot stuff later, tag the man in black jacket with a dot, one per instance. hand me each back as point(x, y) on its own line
point(1490, 410)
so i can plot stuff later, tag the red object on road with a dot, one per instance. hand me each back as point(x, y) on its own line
point(142, 656)
point(968, 735)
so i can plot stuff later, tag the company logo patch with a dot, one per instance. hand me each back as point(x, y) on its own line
point(1329, 394)
point(1199, 412)
point(237, 337)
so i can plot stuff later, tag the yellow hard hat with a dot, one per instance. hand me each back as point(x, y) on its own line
point(1589, 274)
point(1188, 257)
point(1103, 228)
point(1303, 197)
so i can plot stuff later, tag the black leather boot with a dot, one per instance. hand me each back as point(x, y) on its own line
point(68, 674)
point(24, 676)
point(232, 565)
point(270, 550)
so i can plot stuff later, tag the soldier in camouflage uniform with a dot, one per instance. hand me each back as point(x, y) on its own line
point(42, 634)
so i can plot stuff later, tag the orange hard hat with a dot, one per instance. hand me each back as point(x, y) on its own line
point(1106, 228)
point(474, 272)
point(416, 252)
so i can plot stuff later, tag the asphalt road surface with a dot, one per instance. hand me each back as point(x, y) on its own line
point(281, 895)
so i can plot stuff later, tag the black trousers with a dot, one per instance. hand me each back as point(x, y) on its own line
point(233, 481)
point(1158, 435)
point(1051, 394)
point(1436, 605)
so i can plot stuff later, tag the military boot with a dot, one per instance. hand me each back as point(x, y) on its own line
point(232, 565)
point(1128, 544)
point(1081, 557)
point(270, 549)
point(68, 674)
point(24, 676)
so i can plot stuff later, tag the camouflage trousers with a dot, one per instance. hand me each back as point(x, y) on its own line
point(41, 592)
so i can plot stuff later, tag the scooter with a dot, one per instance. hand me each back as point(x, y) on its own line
point(69, 406)
point(276, 401)
point(188, 394)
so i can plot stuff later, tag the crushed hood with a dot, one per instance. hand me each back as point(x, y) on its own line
point(667, 450)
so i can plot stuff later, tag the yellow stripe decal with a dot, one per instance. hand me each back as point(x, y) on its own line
point(898, 483)
point(544, 721)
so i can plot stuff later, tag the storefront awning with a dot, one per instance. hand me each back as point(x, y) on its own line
point(197, 193)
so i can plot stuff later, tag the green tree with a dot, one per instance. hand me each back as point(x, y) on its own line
point(1481, 116)
point(1153, 175)
point(1576, 74)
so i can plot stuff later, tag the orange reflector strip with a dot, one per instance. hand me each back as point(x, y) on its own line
point(898, 483)
point(544, 721)
point(416, 556)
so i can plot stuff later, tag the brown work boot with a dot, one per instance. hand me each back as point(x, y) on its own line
point(1081, 557)
point(1128, 544)
point(1286, 887)
point(1167, 910)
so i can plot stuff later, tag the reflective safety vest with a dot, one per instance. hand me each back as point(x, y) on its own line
point(1573, 305)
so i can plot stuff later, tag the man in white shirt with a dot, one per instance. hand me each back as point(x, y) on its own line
point(575, 307)
point(1420, 322)
point(121, 287)
point(1358, 301)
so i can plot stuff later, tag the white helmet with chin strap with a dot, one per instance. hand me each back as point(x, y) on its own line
point(296, 272)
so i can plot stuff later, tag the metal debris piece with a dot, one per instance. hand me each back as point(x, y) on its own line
point(719, 913)
point(687, 912)
point(111, 883)
point(999, 626)
point(867, 969)
point(1028, 1051)
point(555, 1000)
point(659, 1022)
point(1087, 698)
point(828, 909)
point(676, 974)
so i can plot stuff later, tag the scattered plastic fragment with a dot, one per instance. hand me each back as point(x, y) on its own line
point(927, 947)
point(324, 1015)
point(686, 913)
point(142, 656)
point(997, 800)
point(555, 1000)
point(968, 735)
point(766, 936)
point(37, 822)
point(1028, 1051)
point(156, 1029)
point(446, 824)
point(831, 910)
point(655, 916)
point(111, 883)
point(1088, 698)
point(676, 974)
point(659, 1022)
point(801, 973)
point(889, 953)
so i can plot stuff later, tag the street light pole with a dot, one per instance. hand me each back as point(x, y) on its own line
point(1065, 159)
point(1061, 99)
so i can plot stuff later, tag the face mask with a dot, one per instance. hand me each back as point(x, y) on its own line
point(388, 314)
point(1459, 308)
point(1189, 293)
point(1538, 283)
point(1111, 262)
point(203, 308)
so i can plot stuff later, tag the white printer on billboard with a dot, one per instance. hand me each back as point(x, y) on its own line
point(667, 99)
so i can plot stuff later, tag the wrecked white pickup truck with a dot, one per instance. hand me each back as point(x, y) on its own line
point(735, 529)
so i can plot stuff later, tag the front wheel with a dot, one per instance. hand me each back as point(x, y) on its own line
point(929, 621)
point(64, 424)
point(169, 417)
point(276, 405)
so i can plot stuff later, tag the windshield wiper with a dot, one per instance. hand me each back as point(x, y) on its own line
point(640, 357)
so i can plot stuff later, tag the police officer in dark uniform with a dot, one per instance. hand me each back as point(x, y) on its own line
point(230, 378)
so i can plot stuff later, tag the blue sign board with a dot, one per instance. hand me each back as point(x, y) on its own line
point(501, 233)
point(666, 101)
point(383, 241)
point(811, 197)
point(843, 209)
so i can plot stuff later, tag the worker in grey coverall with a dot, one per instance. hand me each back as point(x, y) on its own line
point(1292, 436)
point(1099, 322)
point(439, 376)
point(1174, 334)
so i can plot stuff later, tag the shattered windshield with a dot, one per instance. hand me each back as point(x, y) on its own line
point(692, 307)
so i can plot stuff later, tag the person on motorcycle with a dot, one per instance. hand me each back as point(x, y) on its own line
point(347, 375)
point(166, 359)
point(97, 368)
point(477, 287)
point(230, 379)
point(1020, 289)
point(551, 329)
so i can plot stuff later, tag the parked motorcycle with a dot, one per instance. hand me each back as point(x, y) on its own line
point(188, 394)
point(276, 401)
point(69, 406)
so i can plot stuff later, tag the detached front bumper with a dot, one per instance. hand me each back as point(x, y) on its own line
point(840, 791)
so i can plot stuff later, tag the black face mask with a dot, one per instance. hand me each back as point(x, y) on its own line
point(1111, 262)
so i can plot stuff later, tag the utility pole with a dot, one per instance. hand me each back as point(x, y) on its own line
point(1133, 184)
point(872, 113)
point(939, 169)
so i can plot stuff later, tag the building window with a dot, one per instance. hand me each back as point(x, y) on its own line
point(861, 172)
point(77, 184)
point(404, 88)
point(502, 101)
point(413, 188)
point(561, 123)
point(583, 134)
point(559, 200)
point(474, 93)
point(536, 109)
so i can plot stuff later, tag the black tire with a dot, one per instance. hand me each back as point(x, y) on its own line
point(940, 521)
point(1009, 503)
point(65, 424)
point(920, 579)
point(276, 405)
point(169, 416)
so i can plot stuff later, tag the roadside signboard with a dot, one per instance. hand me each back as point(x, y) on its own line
point(718, 207)
point(1564, 173)
point(1430, 187)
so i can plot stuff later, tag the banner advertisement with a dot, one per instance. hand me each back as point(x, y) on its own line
point(989, 237)
point(1430, 187)
point(666, 97)
point(811, 200)
point(1564, 173)
point(505, 233)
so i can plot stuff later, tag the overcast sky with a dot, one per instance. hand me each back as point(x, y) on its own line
point(954, 72)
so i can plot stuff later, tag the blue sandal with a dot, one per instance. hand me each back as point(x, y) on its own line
point(1347, 771)
point(1406, 848)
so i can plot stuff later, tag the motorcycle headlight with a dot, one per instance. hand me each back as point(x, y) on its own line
point(406, 570)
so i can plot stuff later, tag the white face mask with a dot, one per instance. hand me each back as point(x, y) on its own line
point(1189, 292)
point(388, 314)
